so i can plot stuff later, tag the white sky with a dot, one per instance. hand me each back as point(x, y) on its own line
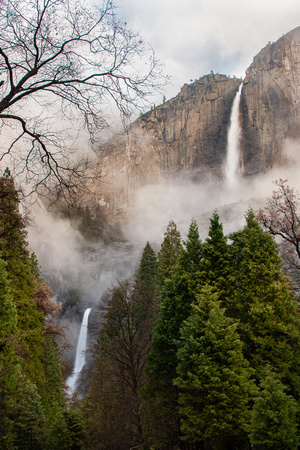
point(193, 37)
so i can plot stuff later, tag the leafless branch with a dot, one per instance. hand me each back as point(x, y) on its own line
point(58, 55)
point(280, 217)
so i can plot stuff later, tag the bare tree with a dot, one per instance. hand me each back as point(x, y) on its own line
point(281, 218)
point(61, 64)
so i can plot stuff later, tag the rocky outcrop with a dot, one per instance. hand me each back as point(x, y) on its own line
point(270, 104)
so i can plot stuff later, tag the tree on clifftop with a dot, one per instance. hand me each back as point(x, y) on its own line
point(60, 64)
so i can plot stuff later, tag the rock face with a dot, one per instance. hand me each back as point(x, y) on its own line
point(187, 135)
point(270, 104)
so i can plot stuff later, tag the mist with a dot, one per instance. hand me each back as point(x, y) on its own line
point(71, 264)
point(70, 261)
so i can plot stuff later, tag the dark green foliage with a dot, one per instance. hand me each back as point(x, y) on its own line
point(215, 267)
point(31, 385)
point(274, 420)
point(67, 431)
point(255, 322)
point(192, 252)
point(9, 362)
point(147, 273)
point(27, 415)
point(13, 250)
point(177, 294)
point(35, 269)
point(8, 313)
point(54, 391)
point(159, 391)
point(169, 252)
point(261, 301)
point(107, 409)
point(213, 377)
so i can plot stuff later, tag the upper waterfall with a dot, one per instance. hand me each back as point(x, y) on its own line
point(232, 163)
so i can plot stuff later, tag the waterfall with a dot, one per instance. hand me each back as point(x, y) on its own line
point(80, 352)
point(232, 163)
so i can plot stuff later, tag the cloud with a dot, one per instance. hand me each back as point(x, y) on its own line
point(196, 36)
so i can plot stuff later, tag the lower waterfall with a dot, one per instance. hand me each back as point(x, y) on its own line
point(80, 352)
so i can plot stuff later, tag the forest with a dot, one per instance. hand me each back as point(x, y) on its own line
point(198, 350)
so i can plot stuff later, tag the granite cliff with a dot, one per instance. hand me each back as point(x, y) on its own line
point(187, 135)
point(270, 106)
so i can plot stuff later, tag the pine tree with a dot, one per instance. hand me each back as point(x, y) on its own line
point(177, 294)
point(147, 273)
point(67, 431)
point(212, 377)
point(260, 300)
point(169, 252)
point(192, 252)
point(215, 267)
point(274, 417)
point(9, 362)
point(13, 250)
point(31, 385)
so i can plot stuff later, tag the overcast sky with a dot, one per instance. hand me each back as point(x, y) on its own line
point(193, 37)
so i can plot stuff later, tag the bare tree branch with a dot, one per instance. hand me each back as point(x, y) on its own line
point(280, 217)
point(58, 55)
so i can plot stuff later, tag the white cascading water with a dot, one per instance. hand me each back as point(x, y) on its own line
point(80, 352)
point(232, 163)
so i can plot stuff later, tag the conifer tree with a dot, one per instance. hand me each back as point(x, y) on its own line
point(9, 362)
point(267, 311)
point(213, 377)
point(177, 294)
point(192, 252)
point(13, 250)
point(274, 417)
point(169, 252)
point(147, 273)
point(215, 267)
point(31, 385)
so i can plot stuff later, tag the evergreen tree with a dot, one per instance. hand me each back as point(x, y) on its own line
point(31, 385)
point(13, 250)
point(28, 416)
point(177, 294)
point(192, 252)
point(274, 417)
point(147, 273)
point(213, 377)
point(215, 267)
point(9, 362)
point(67, 431)
point(169, 252)
point(267, 312)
